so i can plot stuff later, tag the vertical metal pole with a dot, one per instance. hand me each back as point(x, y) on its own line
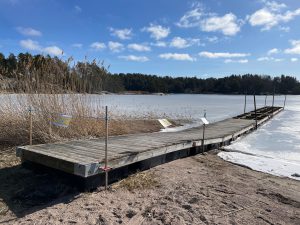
point(106, 140)
point(245, 103)
point(266, 100)
point(50, 127)
point(203, 136)
point(273, 101)
point(284, 101)
point(30, 125)
point(255, 111)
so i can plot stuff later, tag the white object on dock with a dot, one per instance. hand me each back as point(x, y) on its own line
point(62, 120)
point(165, 123)
point(204, 121)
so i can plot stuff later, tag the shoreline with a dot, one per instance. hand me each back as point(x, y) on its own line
point(198, 189)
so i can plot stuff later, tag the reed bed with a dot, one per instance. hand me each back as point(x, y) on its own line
point(87, 119)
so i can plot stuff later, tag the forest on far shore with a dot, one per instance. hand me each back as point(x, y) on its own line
point(26, 73)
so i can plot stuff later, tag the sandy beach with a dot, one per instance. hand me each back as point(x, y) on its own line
point(202, 189)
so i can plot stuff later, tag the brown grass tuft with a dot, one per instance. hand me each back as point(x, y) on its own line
point(142, 180)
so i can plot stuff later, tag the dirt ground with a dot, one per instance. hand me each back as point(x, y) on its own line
point(202, 189)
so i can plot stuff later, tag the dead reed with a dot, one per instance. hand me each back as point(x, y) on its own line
point(87, 119)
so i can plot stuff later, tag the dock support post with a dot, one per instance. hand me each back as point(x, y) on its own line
point(245, 103)
point(273, 101)
point(30, 125)
point(284, 101)
point(266, 100)
point(106, 140)
point(50, 128)
point(203, 136)
point(255, 111)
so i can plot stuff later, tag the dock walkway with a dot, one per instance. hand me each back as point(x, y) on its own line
point(85, 158)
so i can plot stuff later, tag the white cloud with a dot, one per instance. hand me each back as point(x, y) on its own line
point(157, 31)
point(123, 34)
point(77, 45)
point(35, 46)
point(213, 39)
point(77, 9)
point(273, 51)
point(294, 59)
point(227, 24)
point(30, 45)
point(284, 28)
point(134, 58)
point(268, 17)
point(295, 48)
point(261, 59)
point(216, 55)
point(177, 56)
point(115, 46)
point(28, 31)
point(210, 22)
point(178, 42)
point(191, 18)
point(242, 61)
point(159, 44)
point(275, 6)
point(139, 47)
point(53, 50)
point(98, 46)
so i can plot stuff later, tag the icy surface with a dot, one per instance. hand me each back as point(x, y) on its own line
point(274, 147)
point(275, 166)
point(174, 106)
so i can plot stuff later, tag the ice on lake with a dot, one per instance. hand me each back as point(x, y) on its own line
point(274, 147)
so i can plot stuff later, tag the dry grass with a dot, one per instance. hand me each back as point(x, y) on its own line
point(142, 180)
point(87, 119)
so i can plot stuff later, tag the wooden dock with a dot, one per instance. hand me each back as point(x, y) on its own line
point(84, 158)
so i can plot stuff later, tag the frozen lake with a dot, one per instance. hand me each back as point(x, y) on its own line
point(217, 107)
point(274, 147)
point(174, 106)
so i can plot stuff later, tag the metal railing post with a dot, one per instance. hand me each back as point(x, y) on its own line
point(203, 136)
point(273, 101)
point(30, 125)
point(266, 100)
point(255, 111)
point(245, 102)
point(106, 142)
point(284, 101)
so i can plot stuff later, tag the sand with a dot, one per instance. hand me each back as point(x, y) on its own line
point(202, 189)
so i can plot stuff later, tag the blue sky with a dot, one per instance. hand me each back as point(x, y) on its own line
point(163, 37)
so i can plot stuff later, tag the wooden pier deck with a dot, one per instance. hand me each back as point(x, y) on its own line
point(85, 158)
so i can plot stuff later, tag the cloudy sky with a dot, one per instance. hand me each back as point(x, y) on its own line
point(163, 37)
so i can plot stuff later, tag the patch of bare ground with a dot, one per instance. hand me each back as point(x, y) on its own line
point(202, 189)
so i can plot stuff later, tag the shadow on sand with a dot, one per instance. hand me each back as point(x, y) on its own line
point(25, 189)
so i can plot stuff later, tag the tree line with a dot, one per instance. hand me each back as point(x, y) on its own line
point(26, 73)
